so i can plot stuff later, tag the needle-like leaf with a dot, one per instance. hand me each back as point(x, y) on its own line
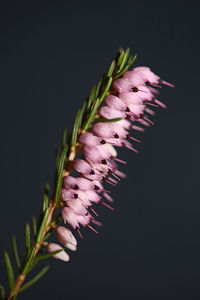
point(125, 57)
point(45, 198)
point(106, 89)
point(92, 114)
point(91, 97)
point(47, 255)
point(27, 239)
point(42, 225)
point(11, 278)
point(2, 293)
point(35, 279)
point(34, 224)
point(111, 69)
point(120, 58)
point(60, 174)
point(64, 136)
point(15, 252)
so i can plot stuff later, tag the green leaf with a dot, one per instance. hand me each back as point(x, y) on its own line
point(60, 175)
point(35, 279)
point(2, 293)
point(34, 224)
point(47, 255)
point(125, 57)
point(57, 157)
point(27, 239)
point(45, 198)
point(83, 107)
point(92, 114)
point(91, 97)
point(108, 120)
point(42, 225)
point(15, 252)
point(98, 87)
point(120, 58)
point(64, 136)
point(130, 62)
point(75, 129)
point(106, 89)
point(78, 122)
point(111, 69)
point(11, 278)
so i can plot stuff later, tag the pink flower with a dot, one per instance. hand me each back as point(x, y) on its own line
point(52, 247)
point(111, 113)
point(66, 238)
point(115, 102)
point(122, 85)
point(83, 167)
point(134, 98)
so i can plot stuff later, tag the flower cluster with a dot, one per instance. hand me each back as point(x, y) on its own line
point(130, 101)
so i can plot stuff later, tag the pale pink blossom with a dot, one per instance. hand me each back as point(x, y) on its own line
point(122, 85)
point(133, 98)
point(53, 247)
point(66, 238)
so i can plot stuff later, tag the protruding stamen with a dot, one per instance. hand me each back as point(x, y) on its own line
point(134, 139)
point(131, 148)
point(94, 212)
point(92, 229)
point(160, 103)
point(153, 84)
point(107, 205)
point(167, 83)
point(110, 182)
point(138, 128)
point(96, 222)
point(80, 234)
point(148, 120)
point(121, 161)
point(108, 197)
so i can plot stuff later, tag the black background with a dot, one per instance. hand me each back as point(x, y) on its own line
point(51, 55)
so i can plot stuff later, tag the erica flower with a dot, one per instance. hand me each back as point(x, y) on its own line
point(53, 247)
point(133, 98)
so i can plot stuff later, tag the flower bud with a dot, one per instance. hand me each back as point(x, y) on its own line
point(66, 238)
point(52, 247)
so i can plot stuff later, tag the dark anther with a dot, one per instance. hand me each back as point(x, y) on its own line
point(135, 89)
point(76, 187)
point(75, 196)
point(128, 117)
point(104, 162)
point(103, 142)
point(116, 136)
point(92, 172)
point(96, 188)
point(147, 83)
point(127, 109)
point(128, 136)
point(141, 116)
point(109, 171)
point(123, 145)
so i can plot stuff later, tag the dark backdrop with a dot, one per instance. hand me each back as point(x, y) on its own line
point(51, 54)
